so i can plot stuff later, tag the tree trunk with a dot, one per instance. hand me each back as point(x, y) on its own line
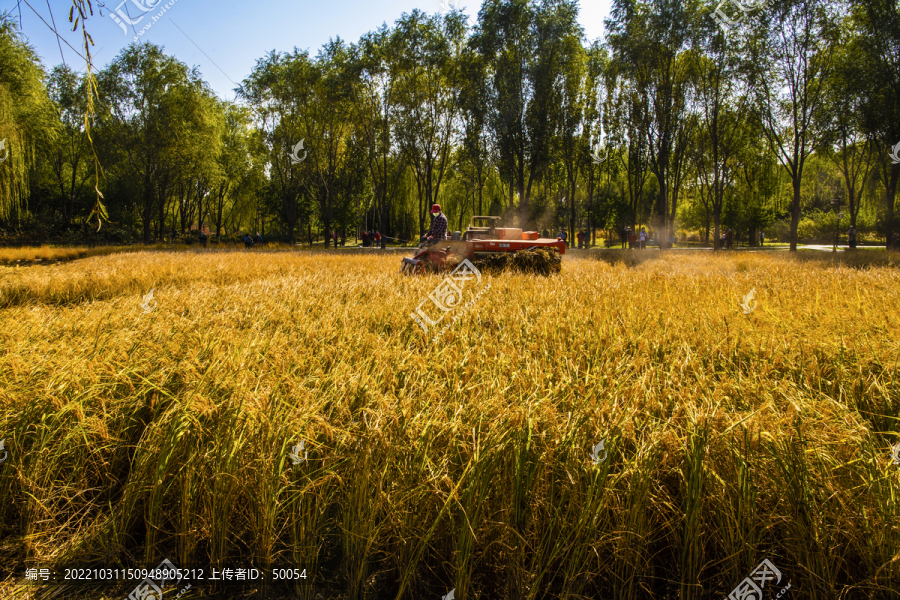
point(716, 235)
point(706, 239)
point(145, 217)
point(662, 210)
point(523, 202)
point(146, 210)
point(795, 213)
point(890, 193)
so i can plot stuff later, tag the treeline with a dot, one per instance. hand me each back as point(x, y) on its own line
point(778, 124)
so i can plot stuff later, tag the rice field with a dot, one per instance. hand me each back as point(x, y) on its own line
point(47, 253)
point(636, 427)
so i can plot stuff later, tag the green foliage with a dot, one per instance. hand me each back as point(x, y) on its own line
point(28, 125)
point(500, 117)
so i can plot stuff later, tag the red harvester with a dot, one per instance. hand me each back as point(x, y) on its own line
point(487, 245)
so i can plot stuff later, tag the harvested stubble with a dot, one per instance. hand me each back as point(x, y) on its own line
point(731, 437)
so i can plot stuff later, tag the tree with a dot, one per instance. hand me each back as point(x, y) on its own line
point(846, 144)
point(627, 130)
point(196, 158)
point(721, 100)
point(28, 121)
point(793, 48)
point(72, 158)
point(504, 37)
point(152, 104)
point(877, 43)
point(474, 104)
point(236, 160)
point(596, 71)
point(276, 89)
point(556, 115)
point(649, 41)
point(326, 118)
point(428, 51)
point(376, 119)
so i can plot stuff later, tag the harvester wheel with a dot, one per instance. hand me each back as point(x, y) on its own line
point(408, 269)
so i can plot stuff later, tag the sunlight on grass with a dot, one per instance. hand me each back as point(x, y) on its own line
point(47, 252)
point(731, 437)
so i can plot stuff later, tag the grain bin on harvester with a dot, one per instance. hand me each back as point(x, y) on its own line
point(489, 248)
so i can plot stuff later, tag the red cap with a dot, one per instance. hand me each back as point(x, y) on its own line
point(435, 208)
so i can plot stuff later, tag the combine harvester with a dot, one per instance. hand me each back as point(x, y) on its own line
point(489, 248)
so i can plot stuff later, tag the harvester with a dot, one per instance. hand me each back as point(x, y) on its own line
point(489, 247)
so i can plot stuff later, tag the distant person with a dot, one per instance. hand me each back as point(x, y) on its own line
point(545, 234)
point(729, 238)
point(248, 243)
point(203, 238)
point(377, 238)
point(257, 239)
point(438, 230)
point(897, 241)
point(365, 239)
point(562, 236)
point(762, 238)
point(851, 238)
point(643, 239)
point(580, 237)
point(632, 239)
point(624, 237)
point(334, 237)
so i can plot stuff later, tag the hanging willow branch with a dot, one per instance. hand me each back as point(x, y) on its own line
point(84, 8)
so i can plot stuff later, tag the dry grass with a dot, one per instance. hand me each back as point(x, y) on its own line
point(46, 252)
point(62, 253)
point(465, 464)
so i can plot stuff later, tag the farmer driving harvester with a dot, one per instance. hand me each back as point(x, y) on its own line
point(486, 245)
point(438, 231)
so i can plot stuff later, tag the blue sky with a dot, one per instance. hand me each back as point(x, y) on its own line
point(225, 38)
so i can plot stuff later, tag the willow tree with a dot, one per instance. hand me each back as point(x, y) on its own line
point(28, 121)
point(71, 162)
point(237, 163)
point(153, 107)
